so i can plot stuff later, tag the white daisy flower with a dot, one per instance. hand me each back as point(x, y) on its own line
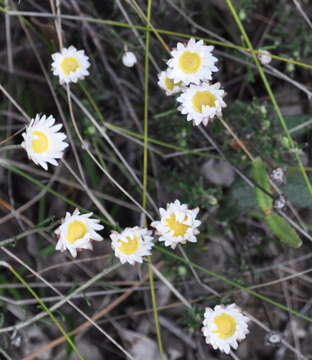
point(264, 56)
point(177, 224)
point(202, 102)
point(132, 244)
point(167, 84)
point(43, 142)
point(77, 231)
point(129, 59)
point(192, 63)
point(70, 65)
point(224, 327)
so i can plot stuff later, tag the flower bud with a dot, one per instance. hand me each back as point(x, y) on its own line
point(129, 59)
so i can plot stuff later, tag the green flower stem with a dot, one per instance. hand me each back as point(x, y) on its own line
point(234, 284)
point(160, 31)
point(46, 309)
point(159, 142)
point(145, 175)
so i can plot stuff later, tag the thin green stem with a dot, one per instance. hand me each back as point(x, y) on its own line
point(91, 100)
point(51, 191)
point(145, 175)
point(146, 100)
point(155, 307)
point(159, 142)
point(234, 284)
point(81, 289)
point(36, 229)
point(150, 26)
point(156, 30)
point(270, 93)
point(140, 136)
point(46, 309)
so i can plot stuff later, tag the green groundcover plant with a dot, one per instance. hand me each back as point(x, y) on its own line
point(154, 179)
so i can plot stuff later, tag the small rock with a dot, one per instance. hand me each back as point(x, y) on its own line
point(88, 350)
point(218, 172)
point(139, 346)
point(34, 338)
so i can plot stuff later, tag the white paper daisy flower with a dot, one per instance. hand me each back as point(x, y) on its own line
point(132, 244)
point(43, 142)
point(192, 63)
point(77, 231)
point(70, 65)
point(200, 103)
point(177, 224)
point(168, 84)
point(224, 327)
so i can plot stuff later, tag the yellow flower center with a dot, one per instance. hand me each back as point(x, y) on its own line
point(169, 84)
point(189, 62)
point(178, 228)
point(129, 247)
point(41, 144)
point(76, 231)
point(69, 65)
point(226, 325)
point(203, 98)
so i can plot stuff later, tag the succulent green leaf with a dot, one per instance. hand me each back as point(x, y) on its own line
point(283, 230)
point(264, 201)
point(276, 223)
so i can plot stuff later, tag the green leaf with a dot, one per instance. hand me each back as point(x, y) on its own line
point(276, 223)
point(296, 190)
point(47, 250)
point(264, 201)
point(241, 197)
point(240, 200)
point(283, 230)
